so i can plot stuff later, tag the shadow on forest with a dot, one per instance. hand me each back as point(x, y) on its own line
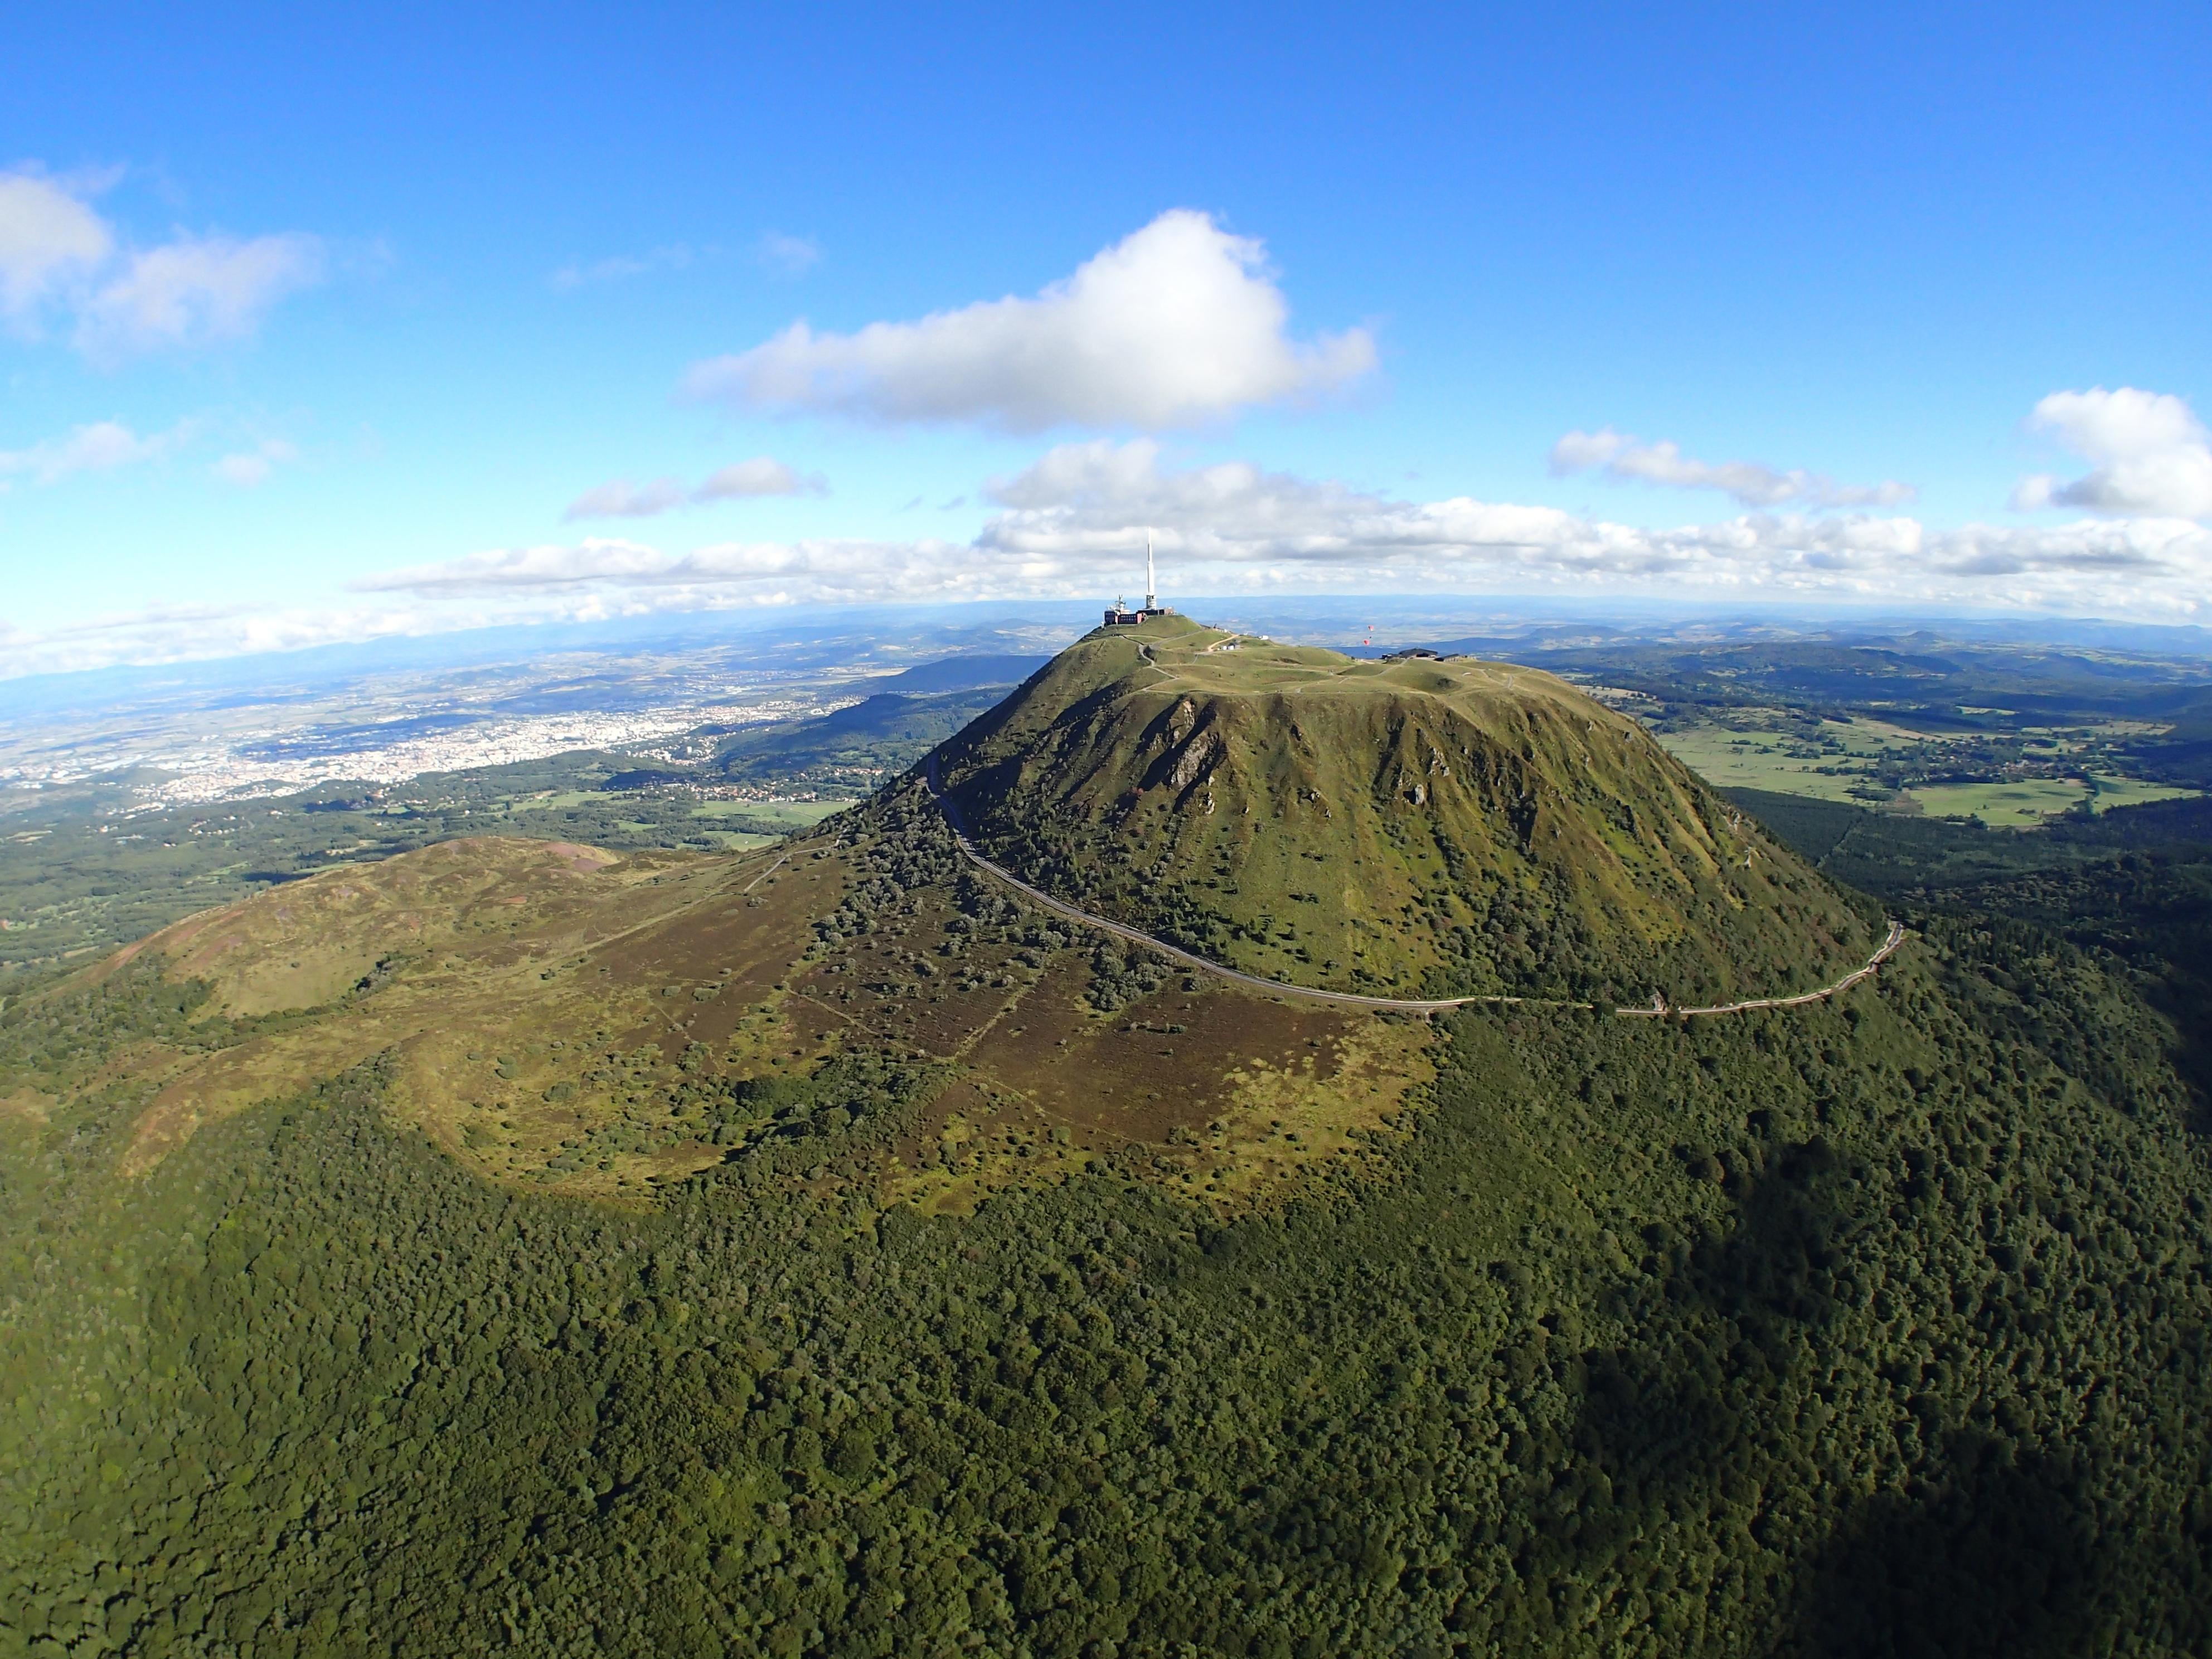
point(1719, 1322)
point(1992, 1549)
point(2002, 1558)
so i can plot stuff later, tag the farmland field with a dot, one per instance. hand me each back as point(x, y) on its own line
point(1839, 766)
point(2020, 805)
point(786, 814)
point(2025, 802)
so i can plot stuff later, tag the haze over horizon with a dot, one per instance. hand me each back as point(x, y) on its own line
point(329, 331)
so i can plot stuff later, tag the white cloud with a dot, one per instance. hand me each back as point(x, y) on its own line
point(763, 475)
point(1178, 325)
point(247, 470)
point(100, 446)
point(756, 572)
point(162, 633)
point(58, 256)
point(2148, 450)
point(621, 499)
point(195, 291)
point(251, 468)
point(48, 238)
point(775, 252)
point(1083, 503)
point(1075, 522)
point(1751, 482)
point(594, 560)
point(676, 257)
point(788, 255)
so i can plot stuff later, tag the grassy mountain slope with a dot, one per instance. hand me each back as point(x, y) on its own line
point(1422, 827)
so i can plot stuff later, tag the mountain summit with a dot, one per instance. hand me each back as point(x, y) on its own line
point(1420, 826)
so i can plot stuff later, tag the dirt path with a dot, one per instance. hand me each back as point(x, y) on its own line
point(1659, 1008)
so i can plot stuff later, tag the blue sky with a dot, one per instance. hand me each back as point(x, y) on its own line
point(317, 329)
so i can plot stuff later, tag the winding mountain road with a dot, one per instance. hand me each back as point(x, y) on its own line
point(1659, 1008)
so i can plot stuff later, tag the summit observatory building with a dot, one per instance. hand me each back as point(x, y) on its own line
point(1119, 617)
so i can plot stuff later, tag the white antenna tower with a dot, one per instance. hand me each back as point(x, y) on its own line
point(1152, 600)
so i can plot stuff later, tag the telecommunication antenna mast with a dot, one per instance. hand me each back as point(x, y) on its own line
point(1152, 600)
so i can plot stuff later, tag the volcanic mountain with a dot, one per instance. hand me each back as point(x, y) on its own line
point(1423, 826)
point(557, 1015)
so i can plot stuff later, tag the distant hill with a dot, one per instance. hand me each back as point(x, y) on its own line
point(1418, 826)
point(964, 673)
point(857, 746)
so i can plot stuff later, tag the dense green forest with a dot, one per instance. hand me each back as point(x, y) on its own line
point(2134, 887)
point(1878, 1326)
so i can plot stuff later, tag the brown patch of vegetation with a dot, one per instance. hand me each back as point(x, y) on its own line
point(1225, 1094)
point(553, 1016)
point(518, 1019)
point(27, 1106)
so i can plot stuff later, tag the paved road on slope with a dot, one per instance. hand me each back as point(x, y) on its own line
point(1349, 999)
point(1896, 938)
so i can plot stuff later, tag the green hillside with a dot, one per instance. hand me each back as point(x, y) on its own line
point(1422, 827)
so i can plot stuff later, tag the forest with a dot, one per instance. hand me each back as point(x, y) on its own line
point(1878, 1326)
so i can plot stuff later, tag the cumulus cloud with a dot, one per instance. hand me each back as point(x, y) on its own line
point(1178, 325)
point(100, 446)
point(2150, 454)
point(1082, 511)
point(762, 474)
point(1753, 484)
point(58, 255)
point(48, 238)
